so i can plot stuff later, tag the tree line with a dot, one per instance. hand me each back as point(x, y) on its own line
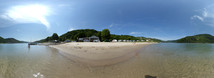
point(104, 36)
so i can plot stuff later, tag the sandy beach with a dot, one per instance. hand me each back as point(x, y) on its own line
point(99, 54)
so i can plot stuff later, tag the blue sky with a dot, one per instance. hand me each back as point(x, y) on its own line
point(30, 20)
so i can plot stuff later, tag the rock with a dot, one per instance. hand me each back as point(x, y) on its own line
point(148, 76)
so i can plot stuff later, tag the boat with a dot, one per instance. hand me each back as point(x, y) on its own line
point(32, 43)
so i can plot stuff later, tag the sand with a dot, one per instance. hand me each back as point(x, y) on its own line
point(99, 53)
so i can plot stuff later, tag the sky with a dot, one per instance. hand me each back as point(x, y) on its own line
point(31, 20)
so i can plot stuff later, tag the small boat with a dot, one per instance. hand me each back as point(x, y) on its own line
point(32, 43)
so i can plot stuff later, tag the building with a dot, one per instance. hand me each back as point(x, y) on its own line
point(85, 39)
point(147, 40)
point(114, 40)
point(94, 39)
point(133, 40)
point(80, 39)
point(89, 39)
point(67, 41)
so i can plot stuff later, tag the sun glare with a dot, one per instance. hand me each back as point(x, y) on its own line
point(29, 13)
point(32, 10)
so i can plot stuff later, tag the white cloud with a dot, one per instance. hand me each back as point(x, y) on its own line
point(27, 14)
point(206, 16)
point(197, 17)
point(135, 33)
point(205, 13)
point(71, 29)
point(111, 25)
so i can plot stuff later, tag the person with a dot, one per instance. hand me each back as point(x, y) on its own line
point(28, 45)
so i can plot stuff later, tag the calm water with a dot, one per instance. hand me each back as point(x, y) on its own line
point(166, 60)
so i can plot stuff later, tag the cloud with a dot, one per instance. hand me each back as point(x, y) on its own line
point(111, 25)
point(135, 33)
point(71, 29)
point(205, 17)
point(27, 14)
point(197, 17)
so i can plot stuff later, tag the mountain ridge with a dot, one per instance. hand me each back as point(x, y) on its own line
point(10, 40)
point(199, 38)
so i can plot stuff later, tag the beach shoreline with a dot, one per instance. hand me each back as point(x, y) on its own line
point(99, 53)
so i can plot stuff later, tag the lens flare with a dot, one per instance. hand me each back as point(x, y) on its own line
point(28, 14)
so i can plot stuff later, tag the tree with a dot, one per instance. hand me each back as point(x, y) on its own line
point(55, 36)
point(79, 35)
point(2, 40)
point(61, 39)
point(48, 39)
point(105, 35)
point(99, 35)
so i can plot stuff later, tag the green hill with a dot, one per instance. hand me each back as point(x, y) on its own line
point(10, 40)
point(200, 38)
point(75, 34)
point(2, 40)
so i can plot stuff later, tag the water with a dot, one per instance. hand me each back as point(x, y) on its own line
point(165, 60)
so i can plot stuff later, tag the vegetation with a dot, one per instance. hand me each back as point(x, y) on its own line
point(10, 40)
point(75, 34)
point(123, 37)
point(128, 37)
point(104, 35)
point(201, 38)
point(55, 37)
point(2, 40)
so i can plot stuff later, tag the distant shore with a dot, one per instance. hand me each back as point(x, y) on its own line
point(100, 53)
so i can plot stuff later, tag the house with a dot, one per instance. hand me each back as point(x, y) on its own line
point(85, 39)
point(119, 40)
point(94, 39)
point(114, 40)
point(89, 39)
point(147, 40)
point(80, 40)
point(124, 40)
point(67, 41)
point(55, 41)
point(142, 40)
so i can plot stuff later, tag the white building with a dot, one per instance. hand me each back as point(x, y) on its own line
point(147, 40)
point(114, 40)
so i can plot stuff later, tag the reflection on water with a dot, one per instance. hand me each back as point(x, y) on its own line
point(168, 60)
point(179, 60)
